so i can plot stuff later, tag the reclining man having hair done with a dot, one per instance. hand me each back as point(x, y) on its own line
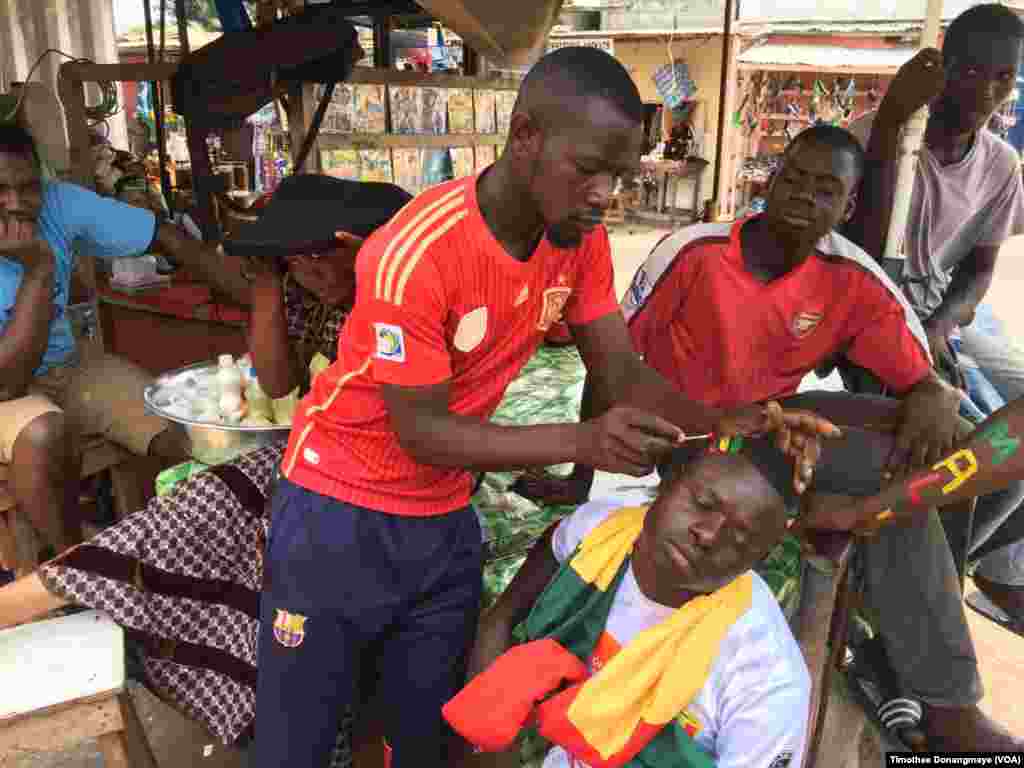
point(742, 314)
point(671, 646)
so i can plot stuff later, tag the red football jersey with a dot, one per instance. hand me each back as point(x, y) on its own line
point(701, 319)
point(437, 299)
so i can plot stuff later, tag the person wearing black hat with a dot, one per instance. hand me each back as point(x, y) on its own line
point(191, 603)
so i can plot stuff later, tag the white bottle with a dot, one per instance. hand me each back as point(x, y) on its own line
point(259, 402)
point(245, 366)
point(229, 381)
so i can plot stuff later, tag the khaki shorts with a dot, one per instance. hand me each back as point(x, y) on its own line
point(100, 396)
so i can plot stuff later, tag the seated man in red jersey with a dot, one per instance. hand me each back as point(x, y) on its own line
point(736, 314)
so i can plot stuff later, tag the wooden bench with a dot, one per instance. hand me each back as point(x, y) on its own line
point(64, 683)
point(19, 550)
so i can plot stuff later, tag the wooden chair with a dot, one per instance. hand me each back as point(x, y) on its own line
point(64, 683)
point(820, 623)
point(822, 620)
point(19, 547)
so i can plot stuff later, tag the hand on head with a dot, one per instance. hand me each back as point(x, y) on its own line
point(798, 434)
point(19, 241)
point(329, 276)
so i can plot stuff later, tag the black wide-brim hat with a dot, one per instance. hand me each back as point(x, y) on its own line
point(307, 209)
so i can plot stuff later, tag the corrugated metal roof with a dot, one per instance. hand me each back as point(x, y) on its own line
point(845, 26)
point(828, 57)
point(622, 34)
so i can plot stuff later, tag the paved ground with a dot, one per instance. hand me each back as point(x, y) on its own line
point(179, 743)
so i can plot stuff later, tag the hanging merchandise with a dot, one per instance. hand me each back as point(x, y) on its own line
point(674, 85)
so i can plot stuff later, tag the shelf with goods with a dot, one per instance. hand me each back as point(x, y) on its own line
point(774, 106)
point(414, 129)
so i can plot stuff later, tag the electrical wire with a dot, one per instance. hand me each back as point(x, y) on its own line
point(98, 113)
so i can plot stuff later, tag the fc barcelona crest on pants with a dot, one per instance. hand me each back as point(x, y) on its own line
point(289, 629)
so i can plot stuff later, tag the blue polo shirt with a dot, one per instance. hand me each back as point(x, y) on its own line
point(94, 225)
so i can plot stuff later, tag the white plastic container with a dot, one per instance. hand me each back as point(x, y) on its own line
point(229, 378)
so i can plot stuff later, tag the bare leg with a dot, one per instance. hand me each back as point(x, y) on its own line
point(26, 599)
point(44, 480)
point(171, 444)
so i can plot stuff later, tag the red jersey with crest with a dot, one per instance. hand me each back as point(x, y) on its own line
point(699, 317)
point(438, 299)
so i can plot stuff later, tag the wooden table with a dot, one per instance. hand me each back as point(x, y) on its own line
point(171, 327)
point(691, 168)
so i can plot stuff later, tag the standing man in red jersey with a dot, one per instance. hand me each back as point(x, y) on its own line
point(375, 550)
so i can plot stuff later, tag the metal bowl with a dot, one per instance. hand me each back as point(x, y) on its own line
point(210, 443)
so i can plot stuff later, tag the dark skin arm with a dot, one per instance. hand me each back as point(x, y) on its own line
point(623, 440)
point(917, 83)
point(277, 366)
point(928, 425)
point(23, 341)
point(494, 636)
point(616, 374)
point(971, 281)
point(985, 461)
point(494, 632)
point(212, 266)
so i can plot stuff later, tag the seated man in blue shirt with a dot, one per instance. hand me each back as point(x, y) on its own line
point(48, 396)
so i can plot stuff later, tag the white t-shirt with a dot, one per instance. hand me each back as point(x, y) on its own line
point(752, 711)
point(955, 209)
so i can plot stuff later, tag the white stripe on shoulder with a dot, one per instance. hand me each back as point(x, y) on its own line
point(837, 246)
point(661, 259)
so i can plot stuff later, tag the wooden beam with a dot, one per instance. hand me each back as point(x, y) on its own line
point(372, 76)
point(58, 728)
point(854, 70)
point(84, 72)
point(722, 97)
point(410, 141)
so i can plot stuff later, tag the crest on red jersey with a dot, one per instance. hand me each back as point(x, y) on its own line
point(805, 322)
point(552, 306)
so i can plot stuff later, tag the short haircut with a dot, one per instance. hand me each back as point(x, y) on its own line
point(977, 25)
point(16, 140)
point(832, 136)
point(581, 73)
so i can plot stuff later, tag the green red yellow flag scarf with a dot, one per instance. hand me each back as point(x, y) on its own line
point(628, 713)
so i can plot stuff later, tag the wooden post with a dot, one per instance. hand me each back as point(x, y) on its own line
point(301, 106)
point(382, 42)
point(72, 94)
point(726, 174)
point(470, 61)
point(83, 169)
point(722, 94)
point(913, 135)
